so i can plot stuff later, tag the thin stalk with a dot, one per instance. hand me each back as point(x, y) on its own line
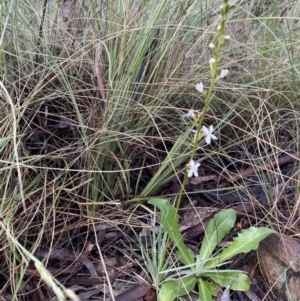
point(216, 51)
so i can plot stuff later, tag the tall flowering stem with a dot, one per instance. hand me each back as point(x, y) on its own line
point(214, 61)
point(201, 132)
point(216, 51)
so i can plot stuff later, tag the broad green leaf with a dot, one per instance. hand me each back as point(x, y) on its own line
point(212, 288)
point(237, 280)
point(170, 221)
point(246, 241)
point(172, 289)
point(218, 227)
point(205, 293)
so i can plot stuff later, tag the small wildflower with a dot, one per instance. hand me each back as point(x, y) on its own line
point(211, 46)
point(199, 87)
point(212, 60)
point(227, 37)
point(193, 169)
point(208, 132)
point(224, 72)
point(191, 113)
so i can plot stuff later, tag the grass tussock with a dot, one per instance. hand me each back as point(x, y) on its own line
point(92, 96)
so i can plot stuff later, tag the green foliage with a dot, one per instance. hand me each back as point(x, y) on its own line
point(205, 267)
point(246, 241)
point(168, 214)
point(237, 280)
point(206, 290)
point(176, 288)
point(151, 56)
point(215, 232)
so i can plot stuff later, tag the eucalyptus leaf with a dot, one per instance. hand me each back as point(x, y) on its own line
point(218, 227)
point(172, 289)
point(246, 241)
point(170, 221)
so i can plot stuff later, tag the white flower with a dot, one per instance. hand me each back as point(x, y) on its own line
point(212, 60)
point(191, 113)
point(211, 46)
point(208, 132)
point(199, 87)
point(193, 169)
point(224, 72)
point(227, 37)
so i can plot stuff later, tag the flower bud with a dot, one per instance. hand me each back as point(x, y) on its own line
point(224, 72)
point(200, 87)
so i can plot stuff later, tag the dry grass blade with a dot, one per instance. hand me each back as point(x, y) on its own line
point(92, 96)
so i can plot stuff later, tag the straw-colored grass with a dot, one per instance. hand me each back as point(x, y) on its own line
point(91, 102)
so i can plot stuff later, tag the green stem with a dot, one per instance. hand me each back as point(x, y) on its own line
point(199, 121)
